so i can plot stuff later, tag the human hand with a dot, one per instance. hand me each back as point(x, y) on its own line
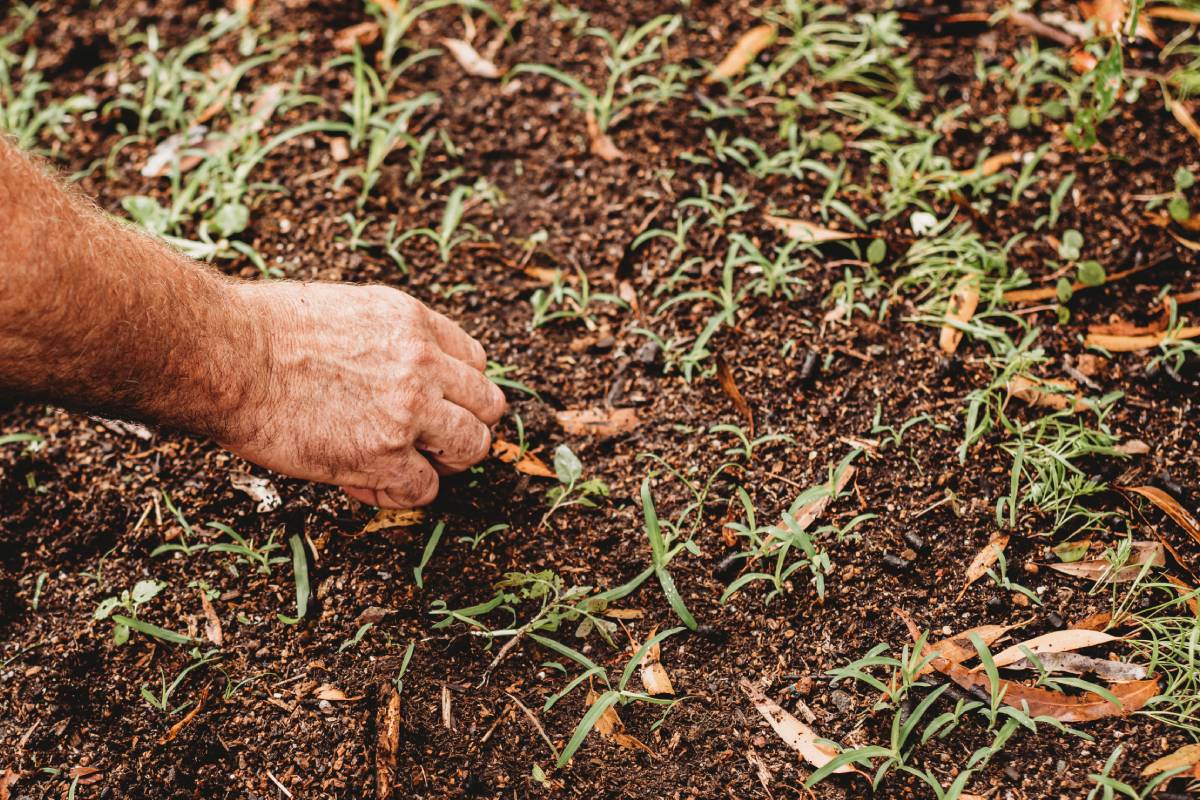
point(366, 388)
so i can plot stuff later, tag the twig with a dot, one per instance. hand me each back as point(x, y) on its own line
point(533, 718)
point(1036, 26)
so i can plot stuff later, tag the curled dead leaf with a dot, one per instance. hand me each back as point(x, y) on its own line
point(983, 561)
point(526, 462)
point(195, 710)
point(394, 518)
point(471, 62)
point(960, 309)
point(805, 231)
point(1183, 116)
point(7, 781)
point(601, 144)
point(610, 727)
point(1186, 758)
point(654, 675)
point(362, 34)
point(1133, 344)
point(730, 387)
point(745, 50)
point(598, 421)
point(1053, 393)
point(212, 623)
point(327, 691)
point(1173, 13)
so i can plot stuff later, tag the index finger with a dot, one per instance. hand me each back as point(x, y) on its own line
point(456, 342)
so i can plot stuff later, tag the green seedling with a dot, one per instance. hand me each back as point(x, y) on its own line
point(572, 490)
point(561, 300)
point(161, 700)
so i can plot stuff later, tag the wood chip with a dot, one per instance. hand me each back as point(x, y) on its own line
point(598, 421)
point(961, 308)
point(745, 50)
point(195, 710)
point(471, 62)
point(804, 231)
point(387, 742)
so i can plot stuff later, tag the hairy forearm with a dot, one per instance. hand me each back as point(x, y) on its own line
point(96, 314)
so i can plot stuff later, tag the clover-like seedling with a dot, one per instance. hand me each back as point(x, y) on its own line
point(572, 489)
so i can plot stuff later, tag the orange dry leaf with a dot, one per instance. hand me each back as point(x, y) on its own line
point(1050, 292)
point(795, 733)
point(751, 43)
point(960, 309)
point(212, 623)
point(601, 144)
point(598, 421)
point(471, 62)
point(807, 231)
point(7, 781)
point(806, 515)
point(1057, 705)
point(1187, 756)
point(1173, 13)
point(85, 775)
point(1168, 505)
point(1110, 16)
point(394, 518)
point(1046, 392)
point(609, 726)
point(730, 387)
point(957, 648)
point(527, 463)
point(994, 163)
point(333, 694)
point(362, 34)
point(1184, 117)
point(1133, 344)
point(654, 675)
point(983, 561)
point(187, 718)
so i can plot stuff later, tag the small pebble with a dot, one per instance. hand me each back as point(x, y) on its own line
point(895, 563)
point(1055, 621)
point(914, 541)
point(728, 566)
point(808, 366)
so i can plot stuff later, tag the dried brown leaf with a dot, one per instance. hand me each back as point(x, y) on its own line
point(610, 727)
point(387, 742)
point(983, 561)
point(85, 776)
point(654, 675)
point(212, 623)
point(959, 647)
point(730, 387)
point(327, 691)
point(1186, 756)
point(1046, 392)
point(1054, 642)
point(1100, 569)
point(195, 710)
point(362, 34)
point(1168, 505)
point(1174, 13)
point(808, 514)
point(598, 421)
point(961, 308)
point(471, 62)
point(1057, 705)
point(394, 518)
point(600, 142)
point(1184, 117)
point(805, 231)
point(1133, 344)
point(526, 463)
point(1050, 292)
point(745, 50)
point(794, 733)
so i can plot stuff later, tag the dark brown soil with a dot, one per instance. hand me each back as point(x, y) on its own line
point(70, 698)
